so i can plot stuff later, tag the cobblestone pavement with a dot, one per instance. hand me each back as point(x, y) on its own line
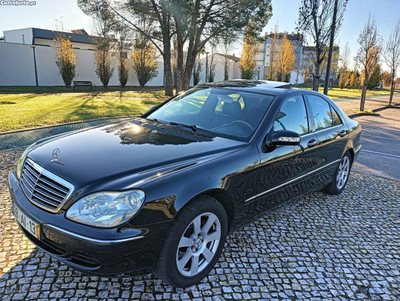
point(316, 248)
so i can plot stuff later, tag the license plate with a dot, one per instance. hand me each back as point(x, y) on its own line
point(26, 222)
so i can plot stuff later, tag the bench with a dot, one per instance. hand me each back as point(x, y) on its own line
point(83, 84)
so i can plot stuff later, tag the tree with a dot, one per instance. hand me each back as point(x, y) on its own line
point(315, 19)
point(192, 23)
point(212, 69)
point(273, 54)
point(387, 78)
point(227, 43)
point(392, 56)
point(144, 61)
point(247, 62)
point(306, 75)
point(375, 78)
point(354, 79)
point(345, 56)
point(286, 59)
point(104, 23)
point(104, 61)
point(65, 59)
point(197, 72)
point(123, 73)
point(344, 79)
point(368, 54)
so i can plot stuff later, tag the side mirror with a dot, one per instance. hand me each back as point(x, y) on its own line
point(285, 138)
point(151, 108)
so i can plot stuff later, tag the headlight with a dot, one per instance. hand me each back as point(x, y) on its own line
point(106, 209)
point(21, 160)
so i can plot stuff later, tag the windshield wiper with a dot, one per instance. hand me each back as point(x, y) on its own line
point(156, 120)
point(190, 126)
point(193, 127)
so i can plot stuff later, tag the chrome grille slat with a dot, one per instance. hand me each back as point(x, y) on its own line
point(38, 196)
point(26, 188)
point(43, 188)
point(47, 195)
point(52, 185)
point(52, 191)
point(34, 174)
point(33, 181)
point(31, 185)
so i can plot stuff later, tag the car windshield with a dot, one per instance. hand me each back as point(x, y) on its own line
point(225, 112)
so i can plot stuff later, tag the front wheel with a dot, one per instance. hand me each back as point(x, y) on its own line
point(341, 176)
point(194, 243)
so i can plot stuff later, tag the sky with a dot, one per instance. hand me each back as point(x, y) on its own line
point(285, 14)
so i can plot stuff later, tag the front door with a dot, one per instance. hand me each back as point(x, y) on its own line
point(283, 172)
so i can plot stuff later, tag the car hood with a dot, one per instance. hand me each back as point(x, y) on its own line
point(132, 150)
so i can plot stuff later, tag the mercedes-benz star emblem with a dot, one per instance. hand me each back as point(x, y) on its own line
point(56, 154)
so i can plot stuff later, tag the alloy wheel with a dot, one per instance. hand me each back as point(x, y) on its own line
point(343, 172)
point(198, 244)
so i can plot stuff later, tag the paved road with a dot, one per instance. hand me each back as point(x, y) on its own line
point(380, 154)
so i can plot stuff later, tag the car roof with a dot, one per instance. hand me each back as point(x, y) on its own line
point(257, 86)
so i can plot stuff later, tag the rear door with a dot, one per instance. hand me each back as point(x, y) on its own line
point(331, 135)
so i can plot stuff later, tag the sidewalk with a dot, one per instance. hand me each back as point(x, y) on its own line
point(352, 105)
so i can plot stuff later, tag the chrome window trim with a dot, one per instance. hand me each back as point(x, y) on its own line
point(329, 128)
point(291, 181)
point(55, 178)
point(93, 240)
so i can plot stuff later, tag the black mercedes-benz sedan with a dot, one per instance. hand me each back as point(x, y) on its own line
point(161, 192)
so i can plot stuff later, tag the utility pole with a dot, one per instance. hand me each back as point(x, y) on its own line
point(206, 66)
point(328, 66)
point(34, 63)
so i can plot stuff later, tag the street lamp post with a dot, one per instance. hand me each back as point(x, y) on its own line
point(34, 63)
point(206, 66)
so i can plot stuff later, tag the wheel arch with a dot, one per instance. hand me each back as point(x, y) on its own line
point(352, 154)
point(223, 197)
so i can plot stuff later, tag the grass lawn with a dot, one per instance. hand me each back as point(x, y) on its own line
point(336, 92)
point(22, 107)
point(26, 110)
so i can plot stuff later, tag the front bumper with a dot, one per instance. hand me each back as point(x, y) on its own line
point(117, 251)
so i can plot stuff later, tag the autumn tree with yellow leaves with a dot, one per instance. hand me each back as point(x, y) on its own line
point(144, 61)
point(104, 60)
point(286, 59)
point(344, 79)
point(247, 62)
point(65, 59)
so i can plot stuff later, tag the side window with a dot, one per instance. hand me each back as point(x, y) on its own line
point(321, 111)
point(292, 116)
point(335, 117)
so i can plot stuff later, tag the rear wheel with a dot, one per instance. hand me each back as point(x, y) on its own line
point(341, 176)
point(194, 243)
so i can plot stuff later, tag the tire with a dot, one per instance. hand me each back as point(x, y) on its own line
point(341, 175)
point(184, 244)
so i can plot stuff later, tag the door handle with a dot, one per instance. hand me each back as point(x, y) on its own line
point(312, 142)
point(342, 133)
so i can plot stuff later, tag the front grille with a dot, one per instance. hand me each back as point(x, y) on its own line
point(43, 188)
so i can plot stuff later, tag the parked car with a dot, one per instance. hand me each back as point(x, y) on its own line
point(163, 191)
